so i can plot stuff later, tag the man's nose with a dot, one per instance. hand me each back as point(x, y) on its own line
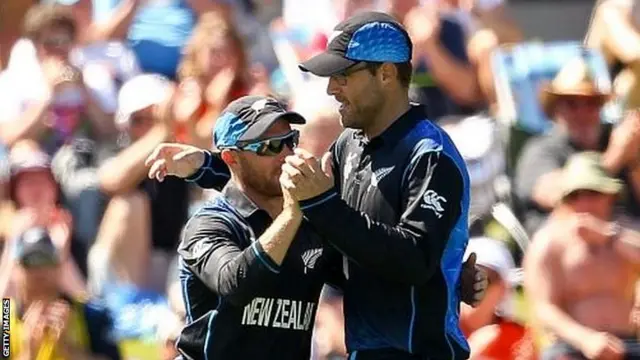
point(332, 87)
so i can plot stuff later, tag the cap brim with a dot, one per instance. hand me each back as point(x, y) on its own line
point(326, 64)
point(608, 188)
point(256, 130)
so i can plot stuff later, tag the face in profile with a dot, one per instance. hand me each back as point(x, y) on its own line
point(360, 94)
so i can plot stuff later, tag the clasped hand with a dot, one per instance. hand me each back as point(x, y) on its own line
point(304, 177)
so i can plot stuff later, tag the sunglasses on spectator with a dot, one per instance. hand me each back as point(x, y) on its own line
point(272, 146)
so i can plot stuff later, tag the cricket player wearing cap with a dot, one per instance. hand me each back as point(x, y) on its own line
point(392, 197)
point(251, 268)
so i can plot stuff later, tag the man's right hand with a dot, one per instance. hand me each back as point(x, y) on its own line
point(603, 346)
point(289, 201)
point(174, 159)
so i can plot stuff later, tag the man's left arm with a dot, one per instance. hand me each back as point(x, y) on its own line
point(449, 64)
point(410, 251)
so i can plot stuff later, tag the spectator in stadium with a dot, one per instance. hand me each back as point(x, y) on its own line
point(444, 79)
point(488, 25)
point(53, 105)
point(157, 31)
point(493, 15)
point(141, 226)
point(104, 65)
point(140, 209)
point(582, 268)
point(36, 201)
point(138, 235)
point(213, 72)
point(493, 328)
point(615, 30)
point(494, 258)
point(574, 101)
point(46, 322)
point(46, 97)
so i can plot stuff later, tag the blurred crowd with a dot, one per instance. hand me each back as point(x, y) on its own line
point(89, 88)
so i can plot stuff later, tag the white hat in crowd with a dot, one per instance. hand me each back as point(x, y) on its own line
point(139, 93)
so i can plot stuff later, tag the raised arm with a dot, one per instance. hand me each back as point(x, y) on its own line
point(210, 250)
point(193, 164)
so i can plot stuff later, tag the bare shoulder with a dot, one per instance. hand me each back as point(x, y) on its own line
point(545, 244)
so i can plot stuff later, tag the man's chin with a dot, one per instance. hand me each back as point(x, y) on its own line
point(347, 122)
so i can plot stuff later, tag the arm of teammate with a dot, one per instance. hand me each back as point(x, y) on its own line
point(213, 174)
point(411, 251)
point(188, 162)
point(210, 250)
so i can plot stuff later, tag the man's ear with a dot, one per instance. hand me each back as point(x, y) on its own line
point(229, 157)
point(388, 73)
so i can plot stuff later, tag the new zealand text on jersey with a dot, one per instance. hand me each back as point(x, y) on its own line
point(279, 313)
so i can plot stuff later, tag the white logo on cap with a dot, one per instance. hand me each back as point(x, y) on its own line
point(259, 105)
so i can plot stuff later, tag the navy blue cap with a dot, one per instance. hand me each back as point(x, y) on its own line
point(34, 247)
point(246, 119)
point(369, 36)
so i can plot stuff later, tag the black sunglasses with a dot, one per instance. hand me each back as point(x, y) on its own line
point(341, 78)
point(272, 146)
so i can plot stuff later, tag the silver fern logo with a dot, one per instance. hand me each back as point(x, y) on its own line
point(310, 257)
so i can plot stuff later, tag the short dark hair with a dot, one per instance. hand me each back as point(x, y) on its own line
point(405, 71)
point(39, 18)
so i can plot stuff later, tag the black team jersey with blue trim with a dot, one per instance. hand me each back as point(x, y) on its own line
point(240, 304)
point(399, 215)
